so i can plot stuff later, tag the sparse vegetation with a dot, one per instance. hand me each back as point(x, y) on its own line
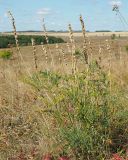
point(113, 36)
point(87, 116)
point(78, 53)
point(5, 54)
point(126, 47)
point(57, 106)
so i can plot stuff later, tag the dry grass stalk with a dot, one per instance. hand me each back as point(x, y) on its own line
point(109, 62)
point(17, 43)
point(64, 57)
point(46, 54)
point(14, 30)
point(34, 53)
point(58, 51)
point(85, 49)
point(3, 78)
point(109, 53)
point(15, 36)
point(100, 53)
point(90, 51)
point(68, 46)
point(71, 38)
point(17, 98)
point(47, 41)
point(45, 33)
point(121, 64)
point(73, 48)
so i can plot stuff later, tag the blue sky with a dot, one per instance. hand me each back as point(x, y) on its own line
point(59, 13)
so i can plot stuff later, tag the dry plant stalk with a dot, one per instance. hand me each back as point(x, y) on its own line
point(47, 41)
point(90, 50)
point(58, 51)
point(18, 71)
point(4, 78)
point(85, 49)
point(45, 33)
point(63, 53)
point(100, 53)
point(73, 48)
point(121, 64)
point(68, 46)
point(15, 36)
point(17, 43)
point(109, 62)
point(34, 53)
point(46, 54)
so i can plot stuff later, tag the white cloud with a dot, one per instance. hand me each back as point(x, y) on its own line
point(44, 11)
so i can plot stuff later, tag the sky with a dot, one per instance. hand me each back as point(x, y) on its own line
point(97, 14)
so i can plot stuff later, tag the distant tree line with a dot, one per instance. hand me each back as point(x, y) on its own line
point(103, 31)
point(25, 40)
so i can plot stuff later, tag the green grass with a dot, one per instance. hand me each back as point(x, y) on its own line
point(76, 115)
point(89, 118)
point(126, 48)
point(5, 54)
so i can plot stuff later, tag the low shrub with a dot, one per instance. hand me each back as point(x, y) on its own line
point(126, 48)
point(5, 54)
point(89, 120)
point(113, 36)
point(78, 53)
